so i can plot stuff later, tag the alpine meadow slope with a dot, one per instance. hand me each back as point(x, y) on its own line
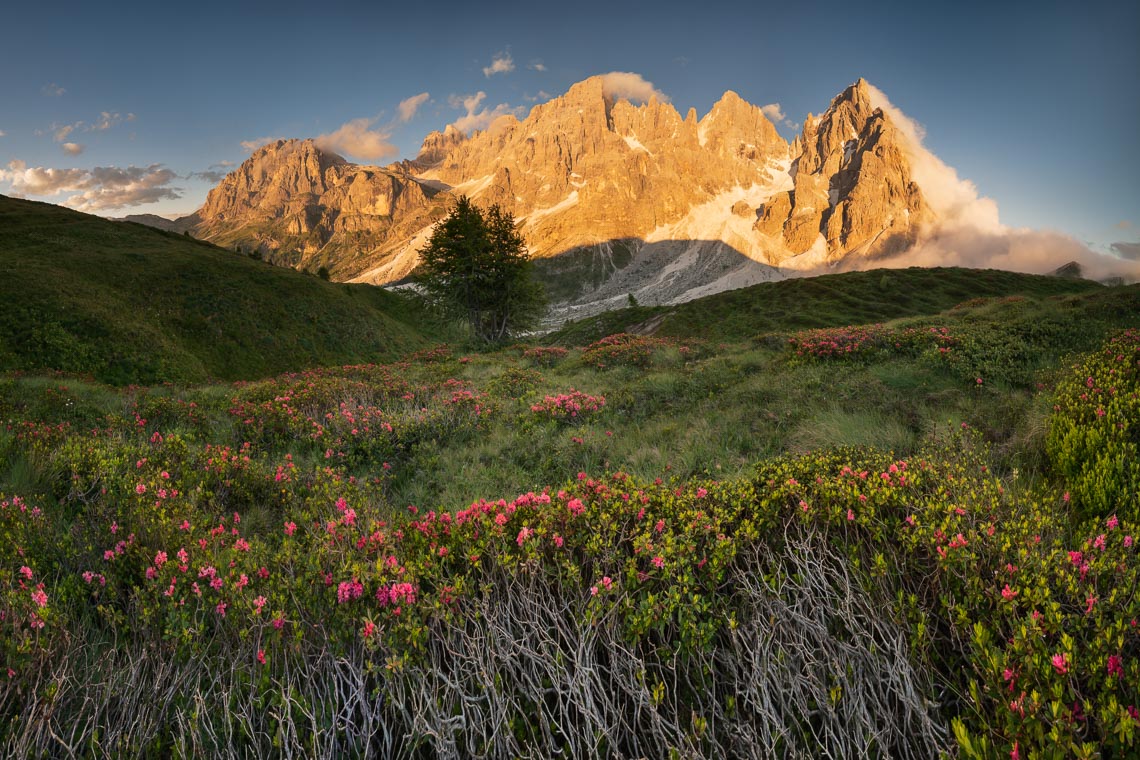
point(126, 303)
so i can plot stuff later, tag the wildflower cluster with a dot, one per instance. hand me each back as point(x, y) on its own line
point(570, 406)
point(545, 356)
point(1094, 433)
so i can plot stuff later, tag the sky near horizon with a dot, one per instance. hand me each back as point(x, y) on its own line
point(129, 108)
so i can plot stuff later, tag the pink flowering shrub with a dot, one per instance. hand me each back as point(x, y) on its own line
point(571, 406)
point(545, 356)
point(622, 349)
point(1094, 433)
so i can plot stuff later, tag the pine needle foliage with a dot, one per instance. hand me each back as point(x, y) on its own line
point(475, 270)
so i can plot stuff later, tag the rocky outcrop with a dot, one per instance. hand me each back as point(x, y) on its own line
point(437, 145)
point(304, 207)
point(853, 188)
point(586, 168)
point(654, 202)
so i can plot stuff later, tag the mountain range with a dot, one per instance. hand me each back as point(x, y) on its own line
point(613, 199)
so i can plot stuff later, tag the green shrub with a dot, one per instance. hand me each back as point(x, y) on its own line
point(1094, 434)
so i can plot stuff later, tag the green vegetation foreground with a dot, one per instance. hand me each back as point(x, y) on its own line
point(126, 304)
point(899, 539)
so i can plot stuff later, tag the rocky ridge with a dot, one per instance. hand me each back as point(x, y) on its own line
point(614, 198)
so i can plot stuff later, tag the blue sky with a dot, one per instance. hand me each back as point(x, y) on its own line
point(1037, 103)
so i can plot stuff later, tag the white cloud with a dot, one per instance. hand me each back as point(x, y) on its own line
point(954, 200)
point(103, 187)
point(106, 120)
point(969, 232)
point(357, 138)
point(501, 63)
point(52, 90)
point(540, 95)
point(774, 113)
point(72, 149)
point(536, 65)
point(631, 86)
point(474, 118)
point(1125, 250)
point(1016, 250)
point(3, 133)
point(408, 107)
point(257, 142)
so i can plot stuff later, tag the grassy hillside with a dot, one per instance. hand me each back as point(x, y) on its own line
point(590, 546)
point(131, 304)
point(832, 300)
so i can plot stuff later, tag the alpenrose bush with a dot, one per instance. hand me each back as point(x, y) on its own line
point(545, 356)
point(627, 350)
point(572, 406)
point(988, 600)
point(1094, 432)
point(863, 341)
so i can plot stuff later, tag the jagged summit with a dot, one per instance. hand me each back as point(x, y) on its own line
point(853, 186)
point(658, 204)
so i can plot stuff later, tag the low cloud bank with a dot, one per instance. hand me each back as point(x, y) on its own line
point(970, 234)
point(96, 189)
point(633, 87)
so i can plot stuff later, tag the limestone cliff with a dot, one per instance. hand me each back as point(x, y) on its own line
point(853, 192)
point(304, 207)
point(615, 197)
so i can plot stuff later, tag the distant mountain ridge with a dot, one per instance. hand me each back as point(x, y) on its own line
point(613, 198)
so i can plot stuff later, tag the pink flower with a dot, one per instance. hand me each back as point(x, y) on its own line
point(185, 525)
point(659, 562)
point(278, 622)
point(701, 493)
point(1111, 523)
point(39, 597)
point(151, 573)
point(290, 528)
point(140, 489)
point(608, 582)
point(258, 605)
point(26, 572)
point(558, 540)
point(979, 381)
point(850, 515)
point(160, 559)
point(1007, 593)
point(524, 534)
point(660, 526)
point(593, 590)
point(1127, 541)
point(369, 629)
point(1090, 602)
point(1115, 665)
point(1061, 663)
point(575, 505)
point(350, 517)
point(261, 656)
point(221, 608)
point(348, 590)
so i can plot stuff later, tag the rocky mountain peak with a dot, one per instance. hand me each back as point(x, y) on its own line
point(853, 185)
point(438, 144)
point(646, 200)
